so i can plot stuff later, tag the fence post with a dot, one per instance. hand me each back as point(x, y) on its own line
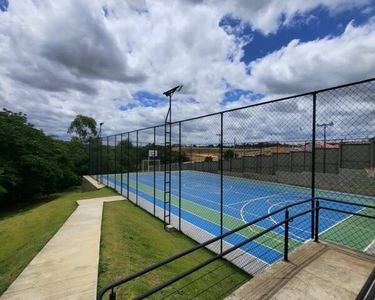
point(154, 172)
point(98, 168)
point(115, 161)
point(317, 221)
point(179, 175)
point(304, 157)
point(313, 165)
point(121, 167)
point(286, 235)
point(107, 168)
point(372, 152)
point(112, 295)
point(221, 181)
point(291, 161)
point(277, 158)
point(127, 192)
point(136, 173)
point(90, 167)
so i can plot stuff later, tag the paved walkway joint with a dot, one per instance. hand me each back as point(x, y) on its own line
point(67, 266)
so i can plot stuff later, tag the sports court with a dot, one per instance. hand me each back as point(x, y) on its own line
point(245, 200)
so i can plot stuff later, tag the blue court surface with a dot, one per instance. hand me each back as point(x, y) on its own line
point(244, 200)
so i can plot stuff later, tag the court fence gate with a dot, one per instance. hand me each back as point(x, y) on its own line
point(230, 168)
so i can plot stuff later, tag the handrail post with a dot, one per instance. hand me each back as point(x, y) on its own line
point(286, 235)
point(112, 295)
point(313, 145)
point(317, 221)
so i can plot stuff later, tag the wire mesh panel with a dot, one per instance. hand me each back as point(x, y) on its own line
point(158, 173)
point(348, 223)
point(94, 158)
point(260, 145)
point(110, 152)
point(344, 149)
point(176, 175)
point(234, 167)
point(133, 167)
point(104, 161)
point(146, 179)
point(201, 189)
point(117, 157)
point(128, 157)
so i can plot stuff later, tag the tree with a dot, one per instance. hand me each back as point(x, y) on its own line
point(228, 154)
point(84, 127)
point(208, 159)
point(31, 161)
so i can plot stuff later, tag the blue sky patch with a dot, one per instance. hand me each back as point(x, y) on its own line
point(4, 4)
point(149, 99)
point(316, 24)
point(235, 94)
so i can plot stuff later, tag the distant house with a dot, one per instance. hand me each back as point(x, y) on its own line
point(320, 144)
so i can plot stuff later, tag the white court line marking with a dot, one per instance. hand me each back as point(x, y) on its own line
point(335, 224)
point(236, 209)
point(205, 190)
point(241, 214)
point(370, 245)
point(259, 198)
point(283, 227)
point(244, 220)
point(210, 221)
point(274, 186)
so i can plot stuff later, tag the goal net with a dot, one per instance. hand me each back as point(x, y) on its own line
point(149, 165)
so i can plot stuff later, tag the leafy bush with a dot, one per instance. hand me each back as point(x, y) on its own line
point(31, 161)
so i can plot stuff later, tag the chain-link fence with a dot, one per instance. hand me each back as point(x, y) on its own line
point(235, 166)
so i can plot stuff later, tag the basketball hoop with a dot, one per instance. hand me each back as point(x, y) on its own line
point(370, 172)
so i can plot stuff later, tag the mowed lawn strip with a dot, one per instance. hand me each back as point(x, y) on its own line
point(24, 231)
point(132, 240)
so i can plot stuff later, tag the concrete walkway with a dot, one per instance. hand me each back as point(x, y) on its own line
point(67, 266)
point(316, 271)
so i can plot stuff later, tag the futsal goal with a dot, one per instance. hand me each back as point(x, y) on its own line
point(149, 165)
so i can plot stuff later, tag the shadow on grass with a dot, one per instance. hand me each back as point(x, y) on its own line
point(11, 209)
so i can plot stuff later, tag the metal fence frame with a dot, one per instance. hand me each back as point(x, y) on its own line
point(129, 166)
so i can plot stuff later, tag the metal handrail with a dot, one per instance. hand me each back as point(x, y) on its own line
point(345, 202)
point(112, 285)
point(216, 257)
point(286, 221)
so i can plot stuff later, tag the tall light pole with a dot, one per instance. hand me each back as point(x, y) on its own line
point(220, 138)
point(324, 125)
point(100, 146)
point(100, 128)
point(168, 157)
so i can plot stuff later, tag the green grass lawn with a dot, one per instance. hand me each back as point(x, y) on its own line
point(132, 240)
point(24, 231)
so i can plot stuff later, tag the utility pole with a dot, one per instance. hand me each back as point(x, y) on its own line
point(324, 125)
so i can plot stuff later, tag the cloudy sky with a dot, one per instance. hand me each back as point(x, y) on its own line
point(112, 60)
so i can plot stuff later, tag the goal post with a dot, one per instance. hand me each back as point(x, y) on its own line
point(148, 165)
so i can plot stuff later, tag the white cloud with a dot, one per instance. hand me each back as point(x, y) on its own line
point(268, 15)
point(302, 67)
point(59, 59)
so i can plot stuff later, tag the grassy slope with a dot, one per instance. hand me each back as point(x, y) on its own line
point(24, 231)
point(132, 240)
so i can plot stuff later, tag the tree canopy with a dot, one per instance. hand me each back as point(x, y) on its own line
point(32, 162)
point(84, 127)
